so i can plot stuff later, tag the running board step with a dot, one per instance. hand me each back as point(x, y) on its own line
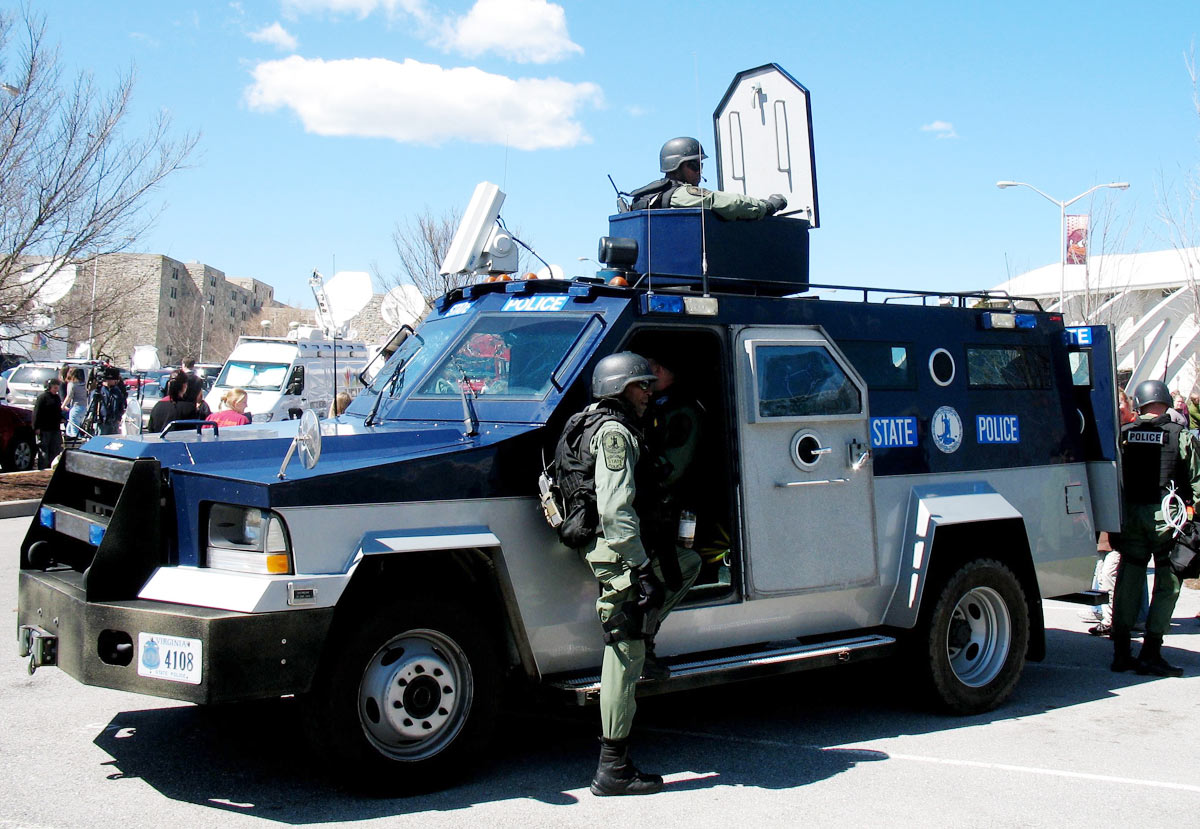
point(690, 672)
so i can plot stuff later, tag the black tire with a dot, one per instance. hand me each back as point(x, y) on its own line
point(21, 455)
point(408, 700)
point(973, 642)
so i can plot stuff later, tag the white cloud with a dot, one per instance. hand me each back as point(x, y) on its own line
point(944, 129)
point(423, 103)
point(276, 36)
point(525, 31)
point(358, 8)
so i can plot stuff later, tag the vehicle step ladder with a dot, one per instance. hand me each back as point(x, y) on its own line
point(694, 671)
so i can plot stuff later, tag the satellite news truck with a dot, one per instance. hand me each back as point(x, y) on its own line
point(898, 474)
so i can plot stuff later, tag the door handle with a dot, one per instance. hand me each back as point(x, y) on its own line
point(786, 484)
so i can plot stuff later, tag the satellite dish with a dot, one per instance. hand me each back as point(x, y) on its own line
point(348, 292)
point(551, 272)
point(54, 288)
point(402, 305)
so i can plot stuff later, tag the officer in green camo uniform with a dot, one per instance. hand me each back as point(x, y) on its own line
point(680, 160)
point(1155, 450)
point(631, 587)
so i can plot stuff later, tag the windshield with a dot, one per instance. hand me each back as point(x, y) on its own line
point(253, 376)
point(33, 375)
point(506, 355)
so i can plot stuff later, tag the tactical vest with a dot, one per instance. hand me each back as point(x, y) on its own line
point(575, 470)
point(1150, 459)
point(654, 195)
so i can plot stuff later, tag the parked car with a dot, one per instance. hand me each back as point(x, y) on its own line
point(29, 380)
point(17, 446)
point(4, 375)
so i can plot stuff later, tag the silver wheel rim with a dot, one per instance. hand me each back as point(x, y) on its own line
point(979, 636)
point(415, 695)
point(23, 455)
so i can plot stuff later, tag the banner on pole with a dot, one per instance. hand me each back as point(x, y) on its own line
point(1077, 239)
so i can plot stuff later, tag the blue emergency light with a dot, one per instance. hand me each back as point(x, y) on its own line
point(995, 320)
point(46, 517)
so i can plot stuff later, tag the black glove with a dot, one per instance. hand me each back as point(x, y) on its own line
point(651, 593)
point(775, 203)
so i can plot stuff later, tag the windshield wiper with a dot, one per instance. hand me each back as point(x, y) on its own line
point(470, 419)
point(395, 379)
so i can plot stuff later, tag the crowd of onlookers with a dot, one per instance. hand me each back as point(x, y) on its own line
point(70, 407)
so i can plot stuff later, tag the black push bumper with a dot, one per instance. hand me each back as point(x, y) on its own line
point(244, 655)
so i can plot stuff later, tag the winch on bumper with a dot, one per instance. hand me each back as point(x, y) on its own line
point(127, 645)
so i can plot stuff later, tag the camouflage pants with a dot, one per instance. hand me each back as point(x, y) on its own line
point(623, 659)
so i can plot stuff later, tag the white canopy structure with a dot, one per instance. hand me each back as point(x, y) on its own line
point(1150, 299)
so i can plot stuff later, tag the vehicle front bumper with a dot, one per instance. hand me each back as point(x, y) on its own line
point(244, 656)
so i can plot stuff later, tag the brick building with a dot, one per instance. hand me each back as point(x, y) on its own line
point(183, 309)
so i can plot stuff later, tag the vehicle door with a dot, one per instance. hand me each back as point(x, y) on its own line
point(807, 489)
point(1090, 352)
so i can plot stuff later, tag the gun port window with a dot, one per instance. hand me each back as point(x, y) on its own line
point(802, 380)
point(1081, 368)
point(1008, 367)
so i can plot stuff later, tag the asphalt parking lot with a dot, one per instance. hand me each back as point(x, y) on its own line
point(1075, 746)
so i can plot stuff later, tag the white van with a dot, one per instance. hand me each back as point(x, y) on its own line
point(283, 377)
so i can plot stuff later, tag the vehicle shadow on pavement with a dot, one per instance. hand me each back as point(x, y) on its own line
point(780, 733)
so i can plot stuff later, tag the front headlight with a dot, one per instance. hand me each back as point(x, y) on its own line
point(247, 540)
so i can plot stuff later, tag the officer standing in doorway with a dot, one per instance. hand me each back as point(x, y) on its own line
point(1156, 451)
point(613, 459)
point(679, 159)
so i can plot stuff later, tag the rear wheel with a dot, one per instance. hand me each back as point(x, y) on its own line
point(411, 701)
point(974, 639)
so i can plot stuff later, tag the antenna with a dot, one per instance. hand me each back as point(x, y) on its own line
point(479, 246)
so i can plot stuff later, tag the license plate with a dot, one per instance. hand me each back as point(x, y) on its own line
point(169, 657)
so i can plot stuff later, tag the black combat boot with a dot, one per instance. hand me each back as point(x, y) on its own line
point(1122, 656)
point(654, 668)
point(617, 774)
point(1150, 661)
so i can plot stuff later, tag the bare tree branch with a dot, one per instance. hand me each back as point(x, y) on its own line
point(72, 186)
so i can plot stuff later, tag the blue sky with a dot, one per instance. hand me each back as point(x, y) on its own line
point(324, 122)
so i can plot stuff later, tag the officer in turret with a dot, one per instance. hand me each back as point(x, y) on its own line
point(679, 159)
point(625, 555)
point(1156, 451)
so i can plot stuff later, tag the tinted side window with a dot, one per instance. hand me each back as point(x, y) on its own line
point(802, 380)
point(1008, 367)
point(882, 365)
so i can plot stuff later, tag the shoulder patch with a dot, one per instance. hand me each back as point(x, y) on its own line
point(615, 449)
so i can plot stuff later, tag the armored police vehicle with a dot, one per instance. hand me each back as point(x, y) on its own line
point(879, 468)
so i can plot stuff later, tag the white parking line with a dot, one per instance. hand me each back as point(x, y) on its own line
point(917, 758)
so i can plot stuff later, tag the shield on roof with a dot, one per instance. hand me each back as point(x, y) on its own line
point(764, 140)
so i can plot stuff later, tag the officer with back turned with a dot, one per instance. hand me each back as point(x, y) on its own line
point(608, 481)
point(1156, 451)
point(679, 159)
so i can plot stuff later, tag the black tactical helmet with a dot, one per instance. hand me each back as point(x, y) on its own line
point(616, 371)
point(678, 150)
point(1151, 391)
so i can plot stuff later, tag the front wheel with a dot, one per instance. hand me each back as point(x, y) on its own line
point(975, 637)
point(408, 704)
point(20, 455)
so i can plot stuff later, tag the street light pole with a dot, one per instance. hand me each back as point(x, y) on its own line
point(1062, 226)
point(92, 317)
point(203, 324)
